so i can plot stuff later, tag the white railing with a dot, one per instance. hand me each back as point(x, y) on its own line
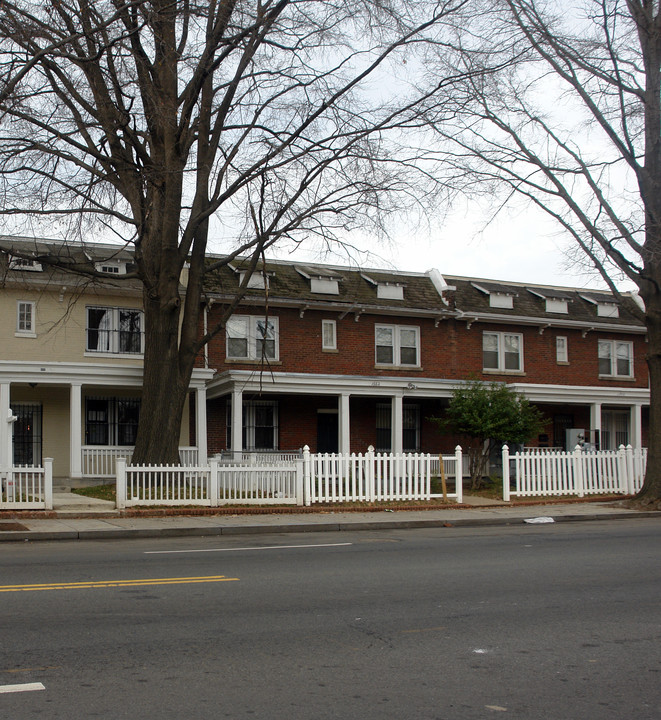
point(331, 477)
point(258, 458)
point(99, 461)
point(574, 473)
point(449, 465)
point(27, 487)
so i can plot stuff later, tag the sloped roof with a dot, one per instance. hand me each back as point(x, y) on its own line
point(63, 263)
point(287, 285)
point(529, 302)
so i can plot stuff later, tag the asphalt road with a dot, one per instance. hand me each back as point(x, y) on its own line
point(548, 621)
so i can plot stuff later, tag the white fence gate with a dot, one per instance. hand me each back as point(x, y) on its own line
point(543, 472)
point(27, 487)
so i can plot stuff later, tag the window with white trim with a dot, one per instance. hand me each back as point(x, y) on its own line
point(615, 358)
point(397, 345)
point(561, 349)
point(25, 324)
point(328, 335)
point(502, 351)
point(252, 338)
point(115, 330)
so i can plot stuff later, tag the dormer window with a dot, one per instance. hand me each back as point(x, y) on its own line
point(257, 281)
point(556, 305)
point(607, 307)
point(386, 291)
point(324, 285)
point(556, 301)
point(17, 263)
point(501, 300)
point(608, 310)
point(499, 296)
point(322, 281)
point(111, 267)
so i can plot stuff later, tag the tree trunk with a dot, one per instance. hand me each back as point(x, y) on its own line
point(650, 493)
point(165, 383)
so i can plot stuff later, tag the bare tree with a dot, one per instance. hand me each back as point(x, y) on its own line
point(568, 116)
point(165, 120)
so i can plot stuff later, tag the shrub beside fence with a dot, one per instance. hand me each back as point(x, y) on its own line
point(542, 473)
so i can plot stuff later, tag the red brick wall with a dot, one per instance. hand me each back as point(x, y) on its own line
point(450, 350)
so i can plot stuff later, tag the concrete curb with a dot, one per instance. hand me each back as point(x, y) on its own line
point(116, 533)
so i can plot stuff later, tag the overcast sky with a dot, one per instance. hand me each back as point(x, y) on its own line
point(524, 247)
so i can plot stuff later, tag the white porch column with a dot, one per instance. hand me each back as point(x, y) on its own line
point(5, 427)
point(396, 425)
point(595, 423)
point(636, 434)
point(75, 431)
point(343, 424)
point(201, 424)
point(237, 423)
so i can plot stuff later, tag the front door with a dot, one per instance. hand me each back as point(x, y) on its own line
point(27, 434)
point(327, 432)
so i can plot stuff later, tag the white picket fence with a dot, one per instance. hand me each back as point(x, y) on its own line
point(27, 487)
point(312, 478)
point(543, 472)
point(210, 486)
point(98, 461)
point(374, 476)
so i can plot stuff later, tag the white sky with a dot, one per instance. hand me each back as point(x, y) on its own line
point(526, 247)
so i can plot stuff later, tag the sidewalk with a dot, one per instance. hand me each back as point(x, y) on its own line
point(79, 518)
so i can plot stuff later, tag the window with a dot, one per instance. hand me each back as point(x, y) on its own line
point(561, 350)
point(328, 335)
point(17, 263)
point(614, 429)
point(112, 267)
point(556, 305)
point(257, 280)
point(260, 425)
point(615, 358)
point(501, 300)
point(609, 310)
point(252, 338)
point(410, 427)
point(111, 421)
point(114, 330)
point(397, 345)
point(386, 291)
point(25, 318)
point(502, 351)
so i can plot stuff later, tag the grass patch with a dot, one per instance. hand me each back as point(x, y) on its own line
point(100, 492)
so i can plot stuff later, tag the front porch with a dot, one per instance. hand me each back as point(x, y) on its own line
point(83, 416)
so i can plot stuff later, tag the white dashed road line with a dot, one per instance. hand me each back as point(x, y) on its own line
point(23, 687)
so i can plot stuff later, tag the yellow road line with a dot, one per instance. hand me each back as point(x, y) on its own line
point(92, 584)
